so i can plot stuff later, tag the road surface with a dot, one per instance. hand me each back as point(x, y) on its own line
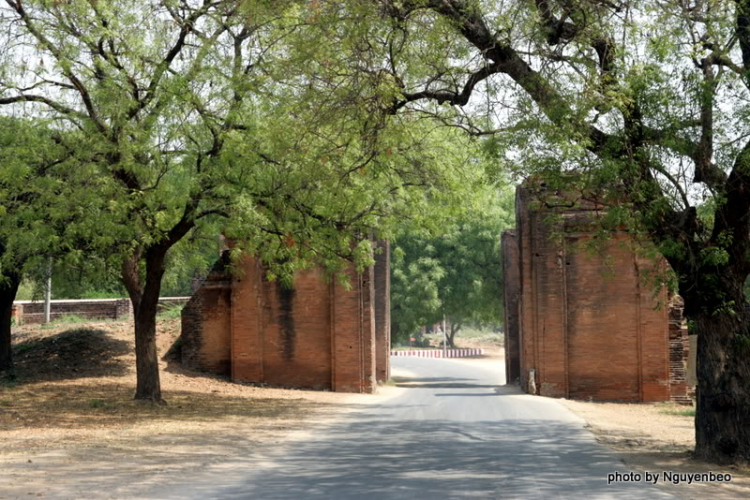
point(452, 431)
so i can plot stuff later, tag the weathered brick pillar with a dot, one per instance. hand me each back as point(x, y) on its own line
point(383, 312)
point(353, 334)
point(206, 326)
point(369, 377)
point(511, 291)
point(679, 349)
point(543, 322)
point(526, 316)
point(653, 333)
point(247, 323)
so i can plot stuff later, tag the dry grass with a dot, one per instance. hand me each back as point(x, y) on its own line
point(83, 379)
point(69, 409)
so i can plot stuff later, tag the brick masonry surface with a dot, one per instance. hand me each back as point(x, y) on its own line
point(509, 245)
point(317, 334)
point(26, 311)
point(587, 321)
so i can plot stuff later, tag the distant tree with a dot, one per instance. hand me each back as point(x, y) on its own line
point(455, 275)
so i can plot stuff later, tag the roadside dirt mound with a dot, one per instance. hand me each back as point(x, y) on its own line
point(70, 354)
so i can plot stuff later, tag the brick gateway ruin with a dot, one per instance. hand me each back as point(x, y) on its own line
point(315, 335)
point(586, 326)
point(577, 325)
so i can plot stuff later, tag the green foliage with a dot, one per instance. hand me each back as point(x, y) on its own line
point(175, 124)
point(286, 153)
point(71, 319)
point(170, 312)
point(653, 112)
point(39, 193)
point(687, 412)
point(456, 273)
point(482, 333)
point(97, 403)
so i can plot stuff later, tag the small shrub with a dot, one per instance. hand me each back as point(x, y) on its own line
point(24, 347)
point(68, 319)
point(171, 312)
point(72, 318)
point(688, 412)
point(96, 403)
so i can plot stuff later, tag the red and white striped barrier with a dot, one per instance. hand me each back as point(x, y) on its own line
point(439, 353)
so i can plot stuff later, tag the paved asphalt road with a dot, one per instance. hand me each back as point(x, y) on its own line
point(453, 432)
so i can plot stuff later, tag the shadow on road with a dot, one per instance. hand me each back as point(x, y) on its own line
point(454, 383)
point(372, 458)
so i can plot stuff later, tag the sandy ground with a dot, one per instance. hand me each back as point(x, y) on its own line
point(651, 437)
point(70, 429)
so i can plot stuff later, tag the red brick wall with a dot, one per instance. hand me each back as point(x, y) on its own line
point(206, 325)
point(246, 323)
point(296, 332)
point(316, 335)
point(588, 323)
point(511, 290)
point(33, 311)
point(526, 316)
point(353, 334)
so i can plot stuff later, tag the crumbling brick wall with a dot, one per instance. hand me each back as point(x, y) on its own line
point(27, 311)
point(318, 334)
point(589, 325)
point(512, 289)
point(205, 339)
point(679, 355)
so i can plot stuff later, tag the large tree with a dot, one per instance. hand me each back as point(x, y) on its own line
point(132, 79)
point(646, 99)
point(196, 120)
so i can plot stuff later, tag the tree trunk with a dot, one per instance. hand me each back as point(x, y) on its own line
point(145, 301)
point(722, 433)
point(148, 386)
point(716, 309)
point(8, 289)
point(455, 327)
